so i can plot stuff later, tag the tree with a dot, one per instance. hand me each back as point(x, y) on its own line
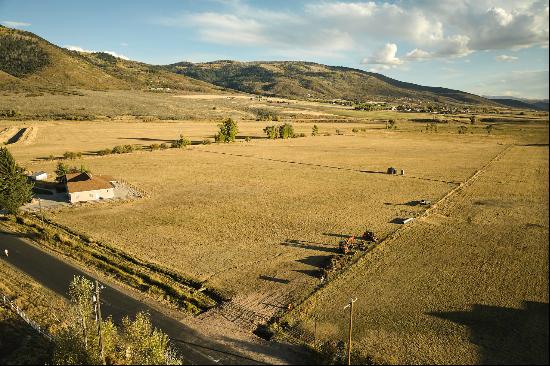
point(473, 120)
point(228, 131)
point(138, 342)
point(15, 189)
point(315, 130)
point(286, 131)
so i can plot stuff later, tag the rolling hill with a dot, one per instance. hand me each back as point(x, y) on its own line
point(28, 62)
point(306, 79)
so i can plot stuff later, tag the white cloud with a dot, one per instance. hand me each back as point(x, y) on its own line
point(418, 54)
point(506, 58)
point(80, 49)
point(430, 28)
point(14, 24)
point(385, 56)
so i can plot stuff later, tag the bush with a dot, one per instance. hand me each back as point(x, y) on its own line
point(247, 139)
point(72, 155)
point(104, 152)
point(272, 132)
point(339, 132)
point(315, 130)
point(181, 143)
point(462, 129)
point(286, 131)
point(163, 146)
point(355, 130)
point(301, 134)
point(266, 115)
point(154, 147)
point(228, 131)
point(122, 149)
point(391, 124)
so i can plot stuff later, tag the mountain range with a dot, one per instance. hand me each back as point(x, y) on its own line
point(29, 62)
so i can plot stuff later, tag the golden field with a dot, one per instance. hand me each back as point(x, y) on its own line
point(258, 219)
point(467, 284)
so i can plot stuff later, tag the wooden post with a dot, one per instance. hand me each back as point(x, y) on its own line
point(100, 335)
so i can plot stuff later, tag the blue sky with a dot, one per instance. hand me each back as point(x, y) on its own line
point(486, 47)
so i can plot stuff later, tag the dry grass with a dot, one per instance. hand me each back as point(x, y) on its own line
point(467, 284)
point(39, 303)
point(240, 215)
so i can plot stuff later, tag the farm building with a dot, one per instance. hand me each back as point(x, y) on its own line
point(83, 187)
point(36, 176)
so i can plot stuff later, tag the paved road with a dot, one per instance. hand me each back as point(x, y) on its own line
point(56, 275)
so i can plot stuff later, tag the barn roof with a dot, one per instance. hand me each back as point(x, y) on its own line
point(82, 182)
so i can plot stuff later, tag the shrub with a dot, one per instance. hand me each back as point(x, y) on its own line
point(247, 139)
point(72, 155)
point(355, 130)
point(228, 131)
point(122, 149)
point(473, 120)
point(272, 132)
point(104, 152)
point(391, 124)
point(286, 131)
point(315, 130)
point(462, 129)
point(206, 142)
point(301, 134)
point(266, 115)
point(154, 147)
point(163, 146)
point(181, 143)
point(339, 132)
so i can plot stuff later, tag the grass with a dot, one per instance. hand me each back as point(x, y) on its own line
point(459, 286)
point(225, 214)
point(147, 277)
point(20, 343)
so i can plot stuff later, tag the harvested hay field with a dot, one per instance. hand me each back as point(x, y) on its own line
point(259, 220)
point(467, 284)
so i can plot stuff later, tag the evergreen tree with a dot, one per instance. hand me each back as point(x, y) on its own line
point(15, 189)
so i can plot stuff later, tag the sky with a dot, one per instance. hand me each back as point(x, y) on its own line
point(486, 47)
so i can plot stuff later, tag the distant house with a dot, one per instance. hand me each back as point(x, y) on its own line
point(36, 176)
point(83, 187)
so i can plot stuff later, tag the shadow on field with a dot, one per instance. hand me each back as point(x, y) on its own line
point(274, 279)
point(287, 353)
point(506, 335)
point(309, 245)
point(145, 139)
point(20, 344)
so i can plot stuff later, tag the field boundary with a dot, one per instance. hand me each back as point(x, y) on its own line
point(324, 166)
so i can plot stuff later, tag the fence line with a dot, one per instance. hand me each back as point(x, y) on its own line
point(6, 301)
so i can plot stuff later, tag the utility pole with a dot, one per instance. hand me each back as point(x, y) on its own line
point(350, 305)
point(100, 335)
